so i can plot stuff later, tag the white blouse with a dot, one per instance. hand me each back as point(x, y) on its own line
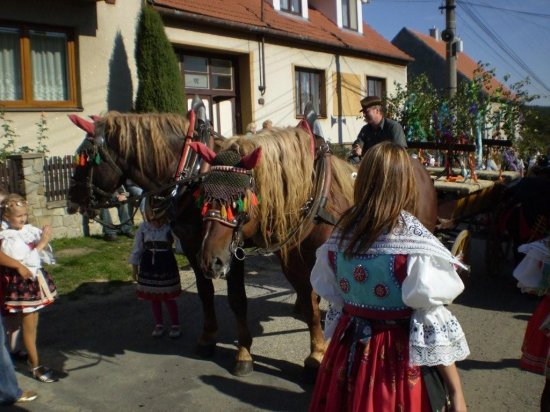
point(533, 271)
point(19, 245)
point(436, 337)
point(148, 233)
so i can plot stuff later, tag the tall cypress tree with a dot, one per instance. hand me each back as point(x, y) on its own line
point(160, 84)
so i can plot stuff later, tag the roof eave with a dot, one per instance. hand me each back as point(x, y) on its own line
point(275, 34)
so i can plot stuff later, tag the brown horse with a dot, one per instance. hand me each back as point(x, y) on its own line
point(146, 148)
point(285, 183)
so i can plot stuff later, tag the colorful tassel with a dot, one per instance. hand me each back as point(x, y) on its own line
point(223, 212)
point(77, 160)
point(230, 216)
point(240, 205)
point(82, 160)
point(204, 209)
point(253, 199)
point(245, 204)
point(97, 159)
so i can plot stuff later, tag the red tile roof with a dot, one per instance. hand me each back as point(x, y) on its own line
point(465, 64)
point(317, 29)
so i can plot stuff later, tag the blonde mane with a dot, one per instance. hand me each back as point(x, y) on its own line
point(284, 178)
point(151, 142)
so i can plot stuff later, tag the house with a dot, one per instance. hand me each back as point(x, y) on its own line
point(249, 60)
point(429, 53)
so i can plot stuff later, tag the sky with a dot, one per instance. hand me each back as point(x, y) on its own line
point(521, 28)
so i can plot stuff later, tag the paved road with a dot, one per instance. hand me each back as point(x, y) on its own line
point(99, 337)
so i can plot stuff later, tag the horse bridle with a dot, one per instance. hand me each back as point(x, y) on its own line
point(312, 211)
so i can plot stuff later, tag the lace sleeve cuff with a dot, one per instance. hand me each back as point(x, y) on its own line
point(332, 317)
point(436, 338)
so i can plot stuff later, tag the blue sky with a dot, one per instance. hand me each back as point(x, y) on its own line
point(525, 37)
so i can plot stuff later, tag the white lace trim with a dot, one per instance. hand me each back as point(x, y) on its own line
point(436, 338)
point(331, 320)
point(439, 355)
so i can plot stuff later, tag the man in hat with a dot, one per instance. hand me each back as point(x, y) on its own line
point(378, 127)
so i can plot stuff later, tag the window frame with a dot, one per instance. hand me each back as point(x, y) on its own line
point(289, 9)
point(322, 91)
point(350, 3)
point(382, 80)
point(209, 90)
point(25, 67)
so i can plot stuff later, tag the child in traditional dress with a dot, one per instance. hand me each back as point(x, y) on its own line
point(25, 297)
point(387, 280)
point(155, 269)
point(533, 275)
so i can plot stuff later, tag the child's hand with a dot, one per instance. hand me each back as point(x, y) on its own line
point(24, 272)
point(46, 233)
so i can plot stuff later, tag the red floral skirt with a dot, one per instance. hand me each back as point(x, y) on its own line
point(535, 343)
point(375, 378)
point(26, 295)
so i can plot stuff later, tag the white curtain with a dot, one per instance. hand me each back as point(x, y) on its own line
point(49, 66)
point(10, 69)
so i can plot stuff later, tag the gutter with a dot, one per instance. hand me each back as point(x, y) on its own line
point(272, 33)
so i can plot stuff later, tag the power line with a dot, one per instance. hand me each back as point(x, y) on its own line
point(498, 41)
point(487, 6)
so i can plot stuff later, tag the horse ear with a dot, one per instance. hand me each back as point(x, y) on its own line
point(85, 125)
point(250, 161)
point(204, 151)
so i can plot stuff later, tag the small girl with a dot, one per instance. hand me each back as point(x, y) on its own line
point(155, 268)
point(25, 297)
point(533, 275)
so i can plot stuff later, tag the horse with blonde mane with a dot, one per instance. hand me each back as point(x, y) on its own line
point(283, 220)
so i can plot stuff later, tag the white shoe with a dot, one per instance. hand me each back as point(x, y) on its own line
point(158, 331)
point(175, 332)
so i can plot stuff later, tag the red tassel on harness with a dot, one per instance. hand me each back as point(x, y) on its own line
point(82, 160)
point(230, 216)
point(253, 199)
point(204, 208)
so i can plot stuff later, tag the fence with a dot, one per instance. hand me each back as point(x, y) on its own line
point(45, 185)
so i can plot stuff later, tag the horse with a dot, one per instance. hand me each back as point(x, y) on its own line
point(146, 148)
point(289, 205)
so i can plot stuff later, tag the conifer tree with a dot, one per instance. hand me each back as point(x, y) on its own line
point(160, 84)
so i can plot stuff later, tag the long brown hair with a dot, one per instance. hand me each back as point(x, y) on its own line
point(384, 187)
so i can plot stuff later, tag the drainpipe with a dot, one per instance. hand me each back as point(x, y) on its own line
point(339, 98)
point(261, 59)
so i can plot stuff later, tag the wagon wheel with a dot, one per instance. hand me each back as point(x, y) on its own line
point(460, 250)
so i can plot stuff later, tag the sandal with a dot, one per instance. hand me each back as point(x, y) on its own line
point(43, 374)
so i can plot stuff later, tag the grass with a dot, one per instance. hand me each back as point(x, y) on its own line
point(90, 264)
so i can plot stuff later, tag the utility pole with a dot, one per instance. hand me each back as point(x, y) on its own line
point(449, 36)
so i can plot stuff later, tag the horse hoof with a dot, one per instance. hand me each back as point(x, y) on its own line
point(243, 368)
point(206, 350)
point(309, 375)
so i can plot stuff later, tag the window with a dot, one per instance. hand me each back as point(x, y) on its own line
point(37, 67)
point(207, 73)
point(310, 88)
point(376, 86)
point(292, 6)
point(349, 14)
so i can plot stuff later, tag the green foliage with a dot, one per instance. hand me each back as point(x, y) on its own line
point(536, 131)
point(9, 136)
point(91, 260)
point(160, 84)
point(476, 108)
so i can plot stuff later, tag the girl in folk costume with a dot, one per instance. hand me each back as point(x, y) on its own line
point(155, 268)
point(25, 297)
point(533, 275)
point(387, 279)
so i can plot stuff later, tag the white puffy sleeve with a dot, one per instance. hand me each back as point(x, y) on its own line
point(529, 272)
point(436, 337)
point(137, 249)
point(323, 280)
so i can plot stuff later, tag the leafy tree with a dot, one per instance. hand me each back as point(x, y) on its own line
point(160, 84)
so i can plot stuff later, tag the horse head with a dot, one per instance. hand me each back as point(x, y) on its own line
point(96, 175)
point(227, 198)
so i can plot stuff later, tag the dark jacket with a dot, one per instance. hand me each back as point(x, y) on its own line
point(387, 130)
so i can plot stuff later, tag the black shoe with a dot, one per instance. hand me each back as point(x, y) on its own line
point(109, 238)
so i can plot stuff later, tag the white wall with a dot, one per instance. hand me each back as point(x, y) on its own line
point(97, 24)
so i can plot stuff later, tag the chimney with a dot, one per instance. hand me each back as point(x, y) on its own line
point(434, 32)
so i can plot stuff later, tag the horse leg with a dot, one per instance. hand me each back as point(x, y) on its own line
point(236, 295)
point(297, 273)
point(206, 345)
